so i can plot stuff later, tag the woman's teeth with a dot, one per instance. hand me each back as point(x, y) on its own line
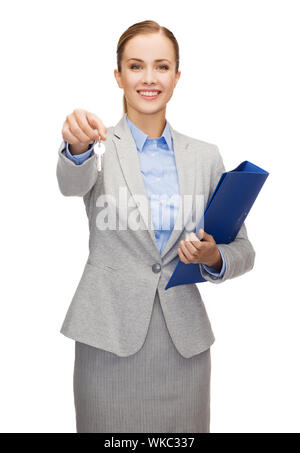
point(149, 94)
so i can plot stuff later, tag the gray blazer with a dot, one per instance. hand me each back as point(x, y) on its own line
point(112, 304)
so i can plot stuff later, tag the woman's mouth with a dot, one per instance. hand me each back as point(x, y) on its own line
point(149, 95)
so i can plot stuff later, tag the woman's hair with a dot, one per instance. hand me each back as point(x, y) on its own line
point(144, 28)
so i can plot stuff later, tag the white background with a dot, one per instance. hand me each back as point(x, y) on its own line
point(239, 89)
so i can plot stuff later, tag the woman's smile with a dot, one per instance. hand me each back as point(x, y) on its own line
point(150, 94)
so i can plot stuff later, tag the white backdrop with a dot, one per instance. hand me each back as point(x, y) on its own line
point(239, 89)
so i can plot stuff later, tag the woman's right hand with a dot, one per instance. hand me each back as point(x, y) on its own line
point(82, 128)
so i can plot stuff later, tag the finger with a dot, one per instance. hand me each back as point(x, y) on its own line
point(85, 126)
point(186, 251)
point(182, 257)
point(68, 136)
point(194, 239)
point(96, 123)
point(75, 129)
point(190, 246)
point(194, 236)
point(205, 236)
point(201, 233)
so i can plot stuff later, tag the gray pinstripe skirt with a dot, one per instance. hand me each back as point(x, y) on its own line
point(155, 390)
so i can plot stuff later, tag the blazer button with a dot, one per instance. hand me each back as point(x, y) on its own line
point(156, 267)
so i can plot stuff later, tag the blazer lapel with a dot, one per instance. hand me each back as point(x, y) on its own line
point(129, 160)
point(185, 158)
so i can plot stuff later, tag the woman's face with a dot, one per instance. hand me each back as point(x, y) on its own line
point(147, 73)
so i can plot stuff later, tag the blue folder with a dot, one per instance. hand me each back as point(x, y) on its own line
point(224, 214)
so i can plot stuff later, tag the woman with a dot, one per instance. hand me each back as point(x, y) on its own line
point(142, 353)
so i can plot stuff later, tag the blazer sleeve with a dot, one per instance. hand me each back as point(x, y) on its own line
point(239, 254)
point(73, 179)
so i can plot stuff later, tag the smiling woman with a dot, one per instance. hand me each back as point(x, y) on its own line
point(148, 62)
point(142, 354)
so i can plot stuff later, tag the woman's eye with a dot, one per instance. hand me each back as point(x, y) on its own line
point(138, 66)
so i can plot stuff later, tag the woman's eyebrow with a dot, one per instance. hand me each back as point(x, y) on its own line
point(160, 59)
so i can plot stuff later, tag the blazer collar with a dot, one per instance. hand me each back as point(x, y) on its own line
point(185, 158)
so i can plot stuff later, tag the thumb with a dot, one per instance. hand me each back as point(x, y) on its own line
point(96, 124)
point(205, 236)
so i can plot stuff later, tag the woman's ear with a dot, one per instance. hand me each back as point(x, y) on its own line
point(177, 77)
point(118, 78)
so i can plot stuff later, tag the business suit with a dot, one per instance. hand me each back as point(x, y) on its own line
point(108, 298)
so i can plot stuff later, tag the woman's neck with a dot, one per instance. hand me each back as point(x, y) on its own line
point(153, 124)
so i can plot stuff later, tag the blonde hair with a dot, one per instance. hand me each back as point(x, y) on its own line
point(144, 28)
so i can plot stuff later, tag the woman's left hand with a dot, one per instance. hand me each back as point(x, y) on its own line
point(205, 251)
